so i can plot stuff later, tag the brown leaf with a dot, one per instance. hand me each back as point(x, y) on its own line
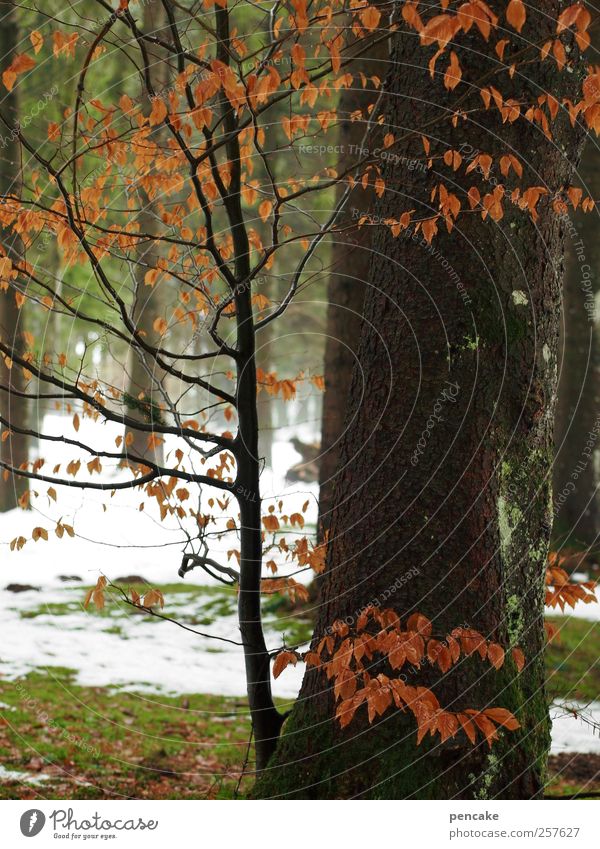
point(282, 661)
point(495, 655)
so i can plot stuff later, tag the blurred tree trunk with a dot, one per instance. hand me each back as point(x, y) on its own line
point(265, 402)
point(350, 259)
point(13, 408)
point(577, 432)
point(444, 499)
point(143, 399)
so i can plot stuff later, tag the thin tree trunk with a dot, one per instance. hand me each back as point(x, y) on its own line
point(14, 449)
point(266, 720)
point(444, 502)
point(350, 260)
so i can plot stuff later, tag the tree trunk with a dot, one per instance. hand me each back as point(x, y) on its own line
point(266, 402)
point(13, 450)
point(444, 502)
point(143, 398)
point(577, 432)
point(350, 260)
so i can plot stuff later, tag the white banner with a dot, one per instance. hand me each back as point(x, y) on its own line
point(169, 824)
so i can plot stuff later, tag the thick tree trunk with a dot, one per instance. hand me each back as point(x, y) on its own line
point(13, 408)
point(350, 260)
point(444, 502)
point(576, 476)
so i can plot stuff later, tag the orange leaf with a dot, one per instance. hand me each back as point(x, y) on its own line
point(486, 727)
point(503, 717)
point(264, 210)
point(370, 17)
point(453, 74)
point(282, 661)
point(158, 113)
point(39, 533)
point(467, 726)
point(519, 658)
point(270, 522)
point(495, 655)
point(37, 41)
point(516, 14)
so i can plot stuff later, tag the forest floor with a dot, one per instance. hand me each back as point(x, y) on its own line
point(63, 739)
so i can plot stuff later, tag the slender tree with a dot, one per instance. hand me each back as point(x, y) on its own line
point(95, 185)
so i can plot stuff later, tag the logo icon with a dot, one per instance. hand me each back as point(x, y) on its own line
point(32, 822)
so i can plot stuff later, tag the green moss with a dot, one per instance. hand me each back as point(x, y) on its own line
point(514, 619)
point(486, 780)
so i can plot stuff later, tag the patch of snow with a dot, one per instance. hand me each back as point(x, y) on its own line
point(573, 734)
point(147, 655)
point(15, 775)
point(591, 611)
point(113, 537)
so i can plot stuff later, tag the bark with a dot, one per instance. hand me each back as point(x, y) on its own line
point(13, 450)
point(576, 475)
point(444, 501)
point(350, 259)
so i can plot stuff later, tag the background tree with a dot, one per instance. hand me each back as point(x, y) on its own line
point(14, 447)
point(143, 392)
point(577, 433)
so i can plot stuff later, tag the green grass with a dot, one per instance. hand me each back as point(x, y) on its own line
point(203, 606)
point(98, 742)
point(212, 602)
point(573, 660)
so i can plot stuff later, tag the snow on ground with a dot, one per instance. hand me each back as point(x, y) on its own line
point(575, 734)
point(125, 648)
point(15, 775)
point(113, 537)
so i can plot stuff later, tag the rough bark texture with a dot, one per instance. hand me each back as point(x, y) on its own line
point(350, 260)
point(577, 432)
point(444, 504)
point(14, 449)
